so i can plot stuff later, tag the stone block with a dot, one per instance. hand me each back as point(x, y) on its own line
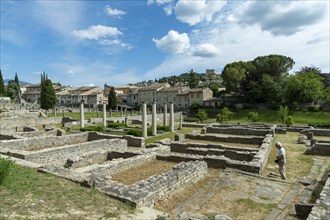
point(179, 137)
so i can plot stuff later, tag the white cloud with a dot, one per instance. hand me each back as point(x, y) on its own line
point(282, 17)
point(206, 50)
point(115, 42)
point(158, 2)
point(114, 12)
point(96, 32)
point(173, 42)
point(194, 12)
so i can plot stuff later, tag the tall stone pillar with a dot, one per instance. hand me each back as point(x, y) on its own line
point(180, 124)
point(121, 111)
point(110, 113)
point(55, 112)
point(171, 117)
point(154, 119)
point(104, 124)
point(144, 120)
point(82, 116)
point(165, 115)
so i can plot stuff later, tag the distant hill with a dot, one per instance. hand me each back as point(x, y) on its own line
point(20, 82)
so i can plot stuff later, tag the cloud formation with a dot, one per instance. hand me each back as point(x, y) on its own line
point(173, 42)
point(114, 12)
point(282, 17)
point(194, 12)
point(96, 32)
point(206, 50)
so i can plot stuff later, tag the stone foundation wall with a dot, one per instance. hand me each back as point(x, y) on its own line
point(241, 140)
point(213, 161)
point(14, 129)
point(42, 142)
point(322, 208)
point(132, 141)
point(53, 132)
point(238, 131)
point(154, 187)
point(59, 156)
point(317, 132)
point(33, 121)
point(6, 137)
point(322, 149)
point(110, 167)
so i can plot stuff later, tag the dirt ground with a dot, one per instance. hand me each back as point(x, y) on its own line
point(138, 173)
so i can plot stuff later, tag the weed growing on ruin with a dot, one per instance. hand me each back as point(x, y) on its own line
point(5, 169)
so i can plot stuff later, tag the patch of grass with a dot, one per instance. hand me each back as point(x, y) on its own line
point(110, 215)
point(30, 194)
point(250, 204)
point(160, 137)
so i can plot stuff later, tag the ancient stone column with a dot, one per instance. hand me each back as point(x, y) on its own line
point(171, 117)
point(82, 116)
point(55, 112)
point(110, 113)
point(144, 119)
point(165, 115)
point(154, 119)
point(121, 111)
point(104, 124)
point(310, 135)
point(180, 124)
point(126, 121)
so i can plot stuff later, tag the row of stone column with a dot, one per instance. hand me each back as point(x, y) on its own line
point(144, 118)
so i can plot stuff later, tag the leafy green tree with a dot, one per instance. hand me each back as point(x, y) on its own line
point(305, 86)
point(265, 71)
point(47, 93)
point(195, 106)
point(112, 98)
point(12, 89)
point(201, 115)
point(2, 86)
point(232, 75)
point(289, 120)
point(193, 81)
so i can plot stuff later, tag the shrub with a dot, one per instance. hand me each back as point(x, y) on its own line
point(5, 169)
point(191, 119)
point(224, 115)
point(314, 108)
point(195, 107)
point(201, 115)
point(253, 116)
point(283, 113)
point(163, 128)
point(92, 128)
point(135, 132)
point(117, 125)
point(289, 120)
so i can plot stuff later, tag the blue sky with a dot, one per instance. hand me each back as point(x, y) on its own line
point(119, 42)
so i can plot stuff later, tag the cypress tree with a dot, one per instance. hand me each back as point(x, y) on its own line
point(47, 93)
point(112, 98)
point(2, 86)
point(16, 79)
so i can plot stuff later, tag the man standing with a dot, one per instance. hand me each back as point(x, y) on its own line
point(280, 158)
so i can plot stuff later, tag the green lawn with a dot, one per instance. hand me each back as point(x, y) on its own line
point(28, 194)
point(270, 116)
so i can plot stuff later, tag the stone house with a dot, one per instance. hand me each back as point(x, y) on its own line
point(149, 94)
point(31, 93)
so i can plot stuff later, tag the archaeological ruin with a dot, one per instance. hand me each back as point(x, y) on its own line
point(237, 153)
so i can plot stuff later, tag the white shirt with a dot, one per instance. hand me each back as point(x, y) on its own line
point(281, 152)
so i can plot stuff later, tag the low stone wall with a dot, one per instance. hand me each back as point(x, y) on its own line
point(292, 128)
point(317, 132)
point(132, 141)
point(193, 125)
point(322, 149)
point(14, 129)
point(322, 208)
point(154, 187)
point(38, 143)
point(263, 152)
point(213, 161)
point(59, 156)
point(33, 121)
point(231, 154)
point(110, 167)
point(182, 147)
point(53, 132)
point(239, 131)
point(241, 140)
